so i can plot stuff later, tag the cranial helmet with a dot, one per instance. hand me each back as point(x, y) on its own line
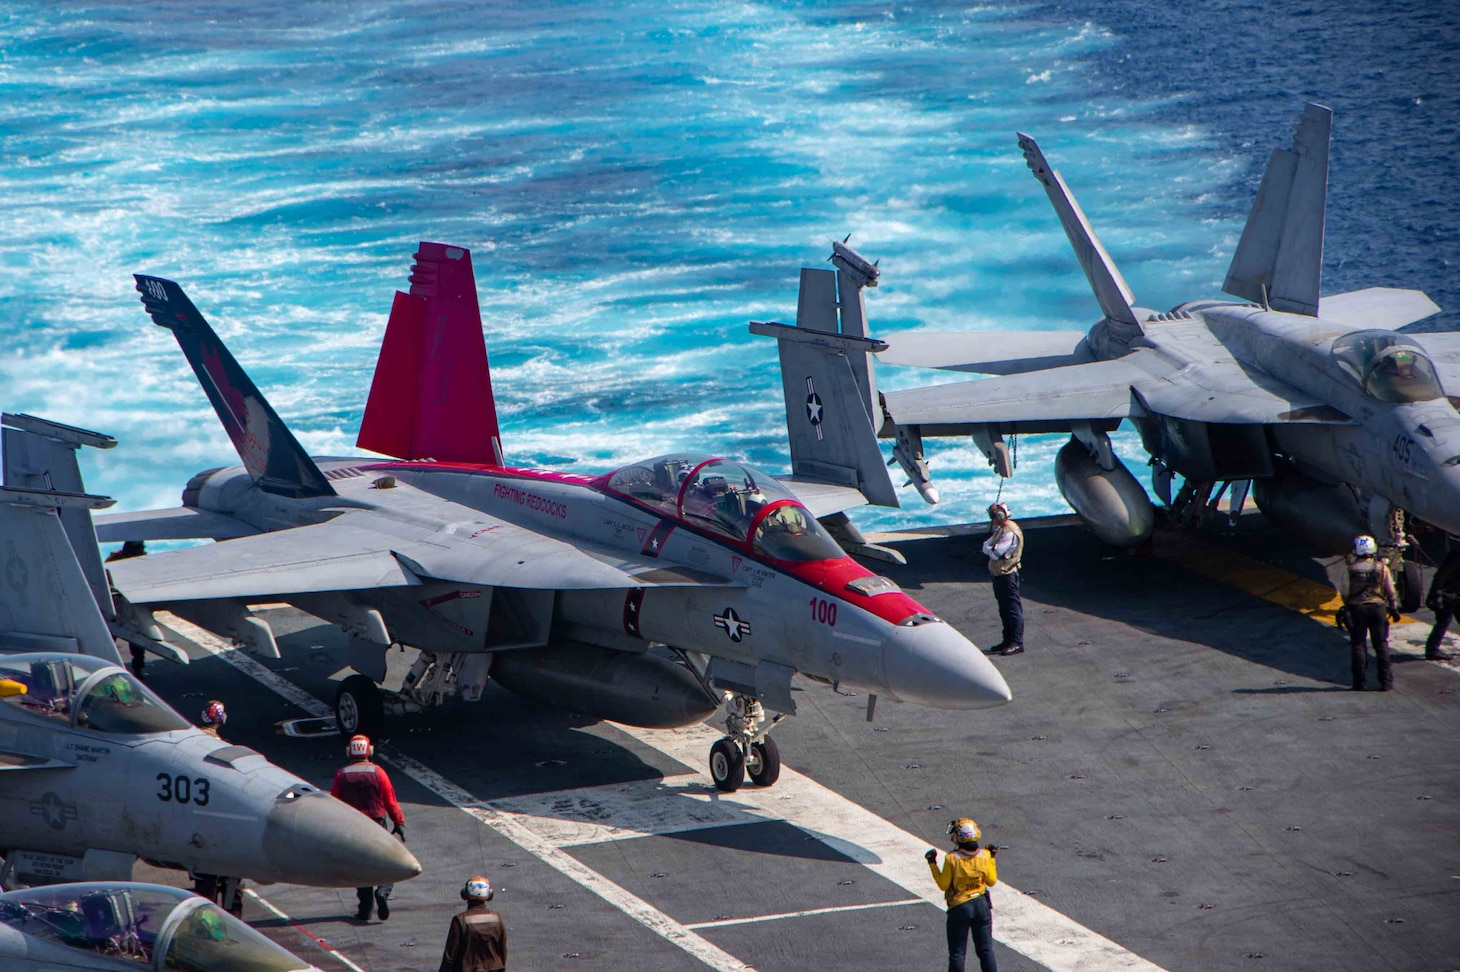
point(998, 511)
point(1365, 546)
point(477, 888)
point(214, 714)
point(360, 747)
point(964, 830)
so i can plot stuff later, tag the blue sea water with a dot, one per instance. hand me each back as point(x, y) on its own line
point(636, 180)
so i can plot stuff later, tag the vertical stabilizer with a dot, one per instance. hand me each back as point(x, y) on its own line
point(42, 455)
point(1279, 260)
point(431, 397)
point(273, 457)
point(1111, 290)
point(46, 603)
point(832, 434)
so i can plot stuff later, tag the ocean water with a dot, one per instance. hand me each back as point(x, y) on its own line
point(638, 180)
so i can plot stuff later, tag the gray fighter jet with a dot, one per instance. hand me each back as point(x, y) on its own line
point(101, 927)
point(95, 770)
point(1342, 423)
point(561, 587)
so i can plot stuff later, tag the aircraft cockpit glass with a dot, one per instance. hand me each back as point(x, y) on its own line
point(790, 532)
point(655, 482)
point(118, 703)
point(1389, 366)
point(133, 923)
point(725, 496)
point(49, 683)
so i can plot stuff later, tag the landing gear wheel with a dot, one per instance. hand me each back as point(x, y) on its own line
point(763, 762)
point(1411, 587)
point(359, 709)
point(727, 765)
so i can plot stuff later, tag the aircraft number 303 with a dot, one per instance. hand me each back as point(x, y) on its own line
point(823, 611)
point(180, 789)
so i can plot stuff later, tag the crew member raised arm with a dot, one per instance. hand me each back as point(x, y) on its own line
point(965, 878)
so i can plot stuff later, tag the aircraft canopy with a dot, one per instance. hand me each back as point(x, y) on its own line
point(86, 692)
point(730, 498)
point(154, 926)
point(1389, 366)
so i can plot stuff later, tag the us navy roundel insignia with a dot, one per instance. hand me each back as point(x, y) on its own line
point(813, 407)
point(732, 625)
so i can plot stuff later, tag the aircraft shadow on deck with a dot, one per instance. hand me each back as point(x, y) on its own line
point(1069, 569)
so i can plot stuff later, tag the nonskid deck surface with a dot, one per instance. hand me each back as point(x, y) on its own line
point(1182, 781)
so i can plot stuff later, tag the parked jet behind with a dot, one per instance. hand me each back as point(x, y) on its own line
point(114, 927)
point(97, 771)
point(556, 585)
point(1339, 420)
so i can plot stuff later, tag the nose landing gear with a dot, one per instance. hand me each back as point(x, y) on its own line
point(746, 749)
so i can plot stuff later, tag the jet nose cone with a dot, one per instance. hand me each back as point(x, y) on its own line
point(313, 839)
point(933, 665)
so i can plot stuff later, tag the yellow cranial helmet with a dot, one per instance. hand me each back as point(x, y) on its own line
point(964, 830)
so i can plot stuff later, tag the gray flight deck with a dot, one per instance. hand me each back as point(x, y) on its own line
point(1182, 771)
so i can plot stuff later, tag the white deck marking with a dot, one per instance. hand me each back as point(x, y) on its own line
point(320, 943)
point(505, 824)
point(1024, 924)
point(725, 922)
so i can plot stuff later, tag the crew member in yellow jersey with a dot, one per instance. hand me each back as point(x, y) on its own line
point(967, 874)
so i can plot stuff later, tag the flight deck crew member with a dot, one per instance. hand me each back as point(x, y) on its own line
point(364, 786)
point(1369, 597)
point(213, 716)
point(1005, 550)
point(965, 878)
point(477, 938)
point(1444, 600)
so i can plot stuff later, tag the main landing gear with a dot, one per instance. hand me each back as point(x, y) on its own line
point(747, 749)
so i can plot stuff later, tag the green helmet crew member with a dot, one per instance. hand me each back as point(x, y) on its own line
point(1369, 596)
point(1005, 550)
point(477, 939)
point(1444, 600)
point(965, 878)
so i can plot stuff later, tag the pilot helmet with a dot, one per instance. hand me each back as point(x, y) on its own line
point(964, 830)
point(1365, 546)
point(476, 888)
point(360, 747)
point(214, 714)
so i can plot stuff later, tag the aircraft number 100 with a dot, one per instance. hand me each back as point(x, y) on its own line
point(823, 611)
point(180, 789)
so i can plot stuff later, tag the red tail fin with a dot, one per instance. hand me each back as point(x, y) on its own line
point(432, 393)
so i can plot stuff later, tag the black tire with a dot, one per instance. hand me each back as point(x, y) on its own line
point(359, 709)
point(727, 766)
point(1411, 584)
point(763, 765)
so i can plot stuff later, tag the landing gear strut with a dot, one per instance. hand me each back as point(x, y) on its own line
point(746, 748)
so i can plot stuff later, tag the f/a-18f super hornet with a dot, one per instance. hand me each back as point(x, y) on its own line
point(1340, 421)
point(119, 926)
point(97, 771)
point(555, 585)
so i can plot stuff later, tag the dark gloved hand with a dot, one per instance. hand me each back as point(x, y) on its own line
point(1432, 602)
point(1341, 618)
point(1394, 614)
point(993, 850)
point(932, 856)
point(400, 831)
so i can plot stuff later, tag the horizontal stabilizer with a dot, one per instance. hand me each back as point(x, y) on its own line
point(181, 523)
point(274, 459)
point(431, 397)
point(1111, 290)
point(1443, 347)
point(1279, 260)
point(986, 352)
point(1386, 308)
